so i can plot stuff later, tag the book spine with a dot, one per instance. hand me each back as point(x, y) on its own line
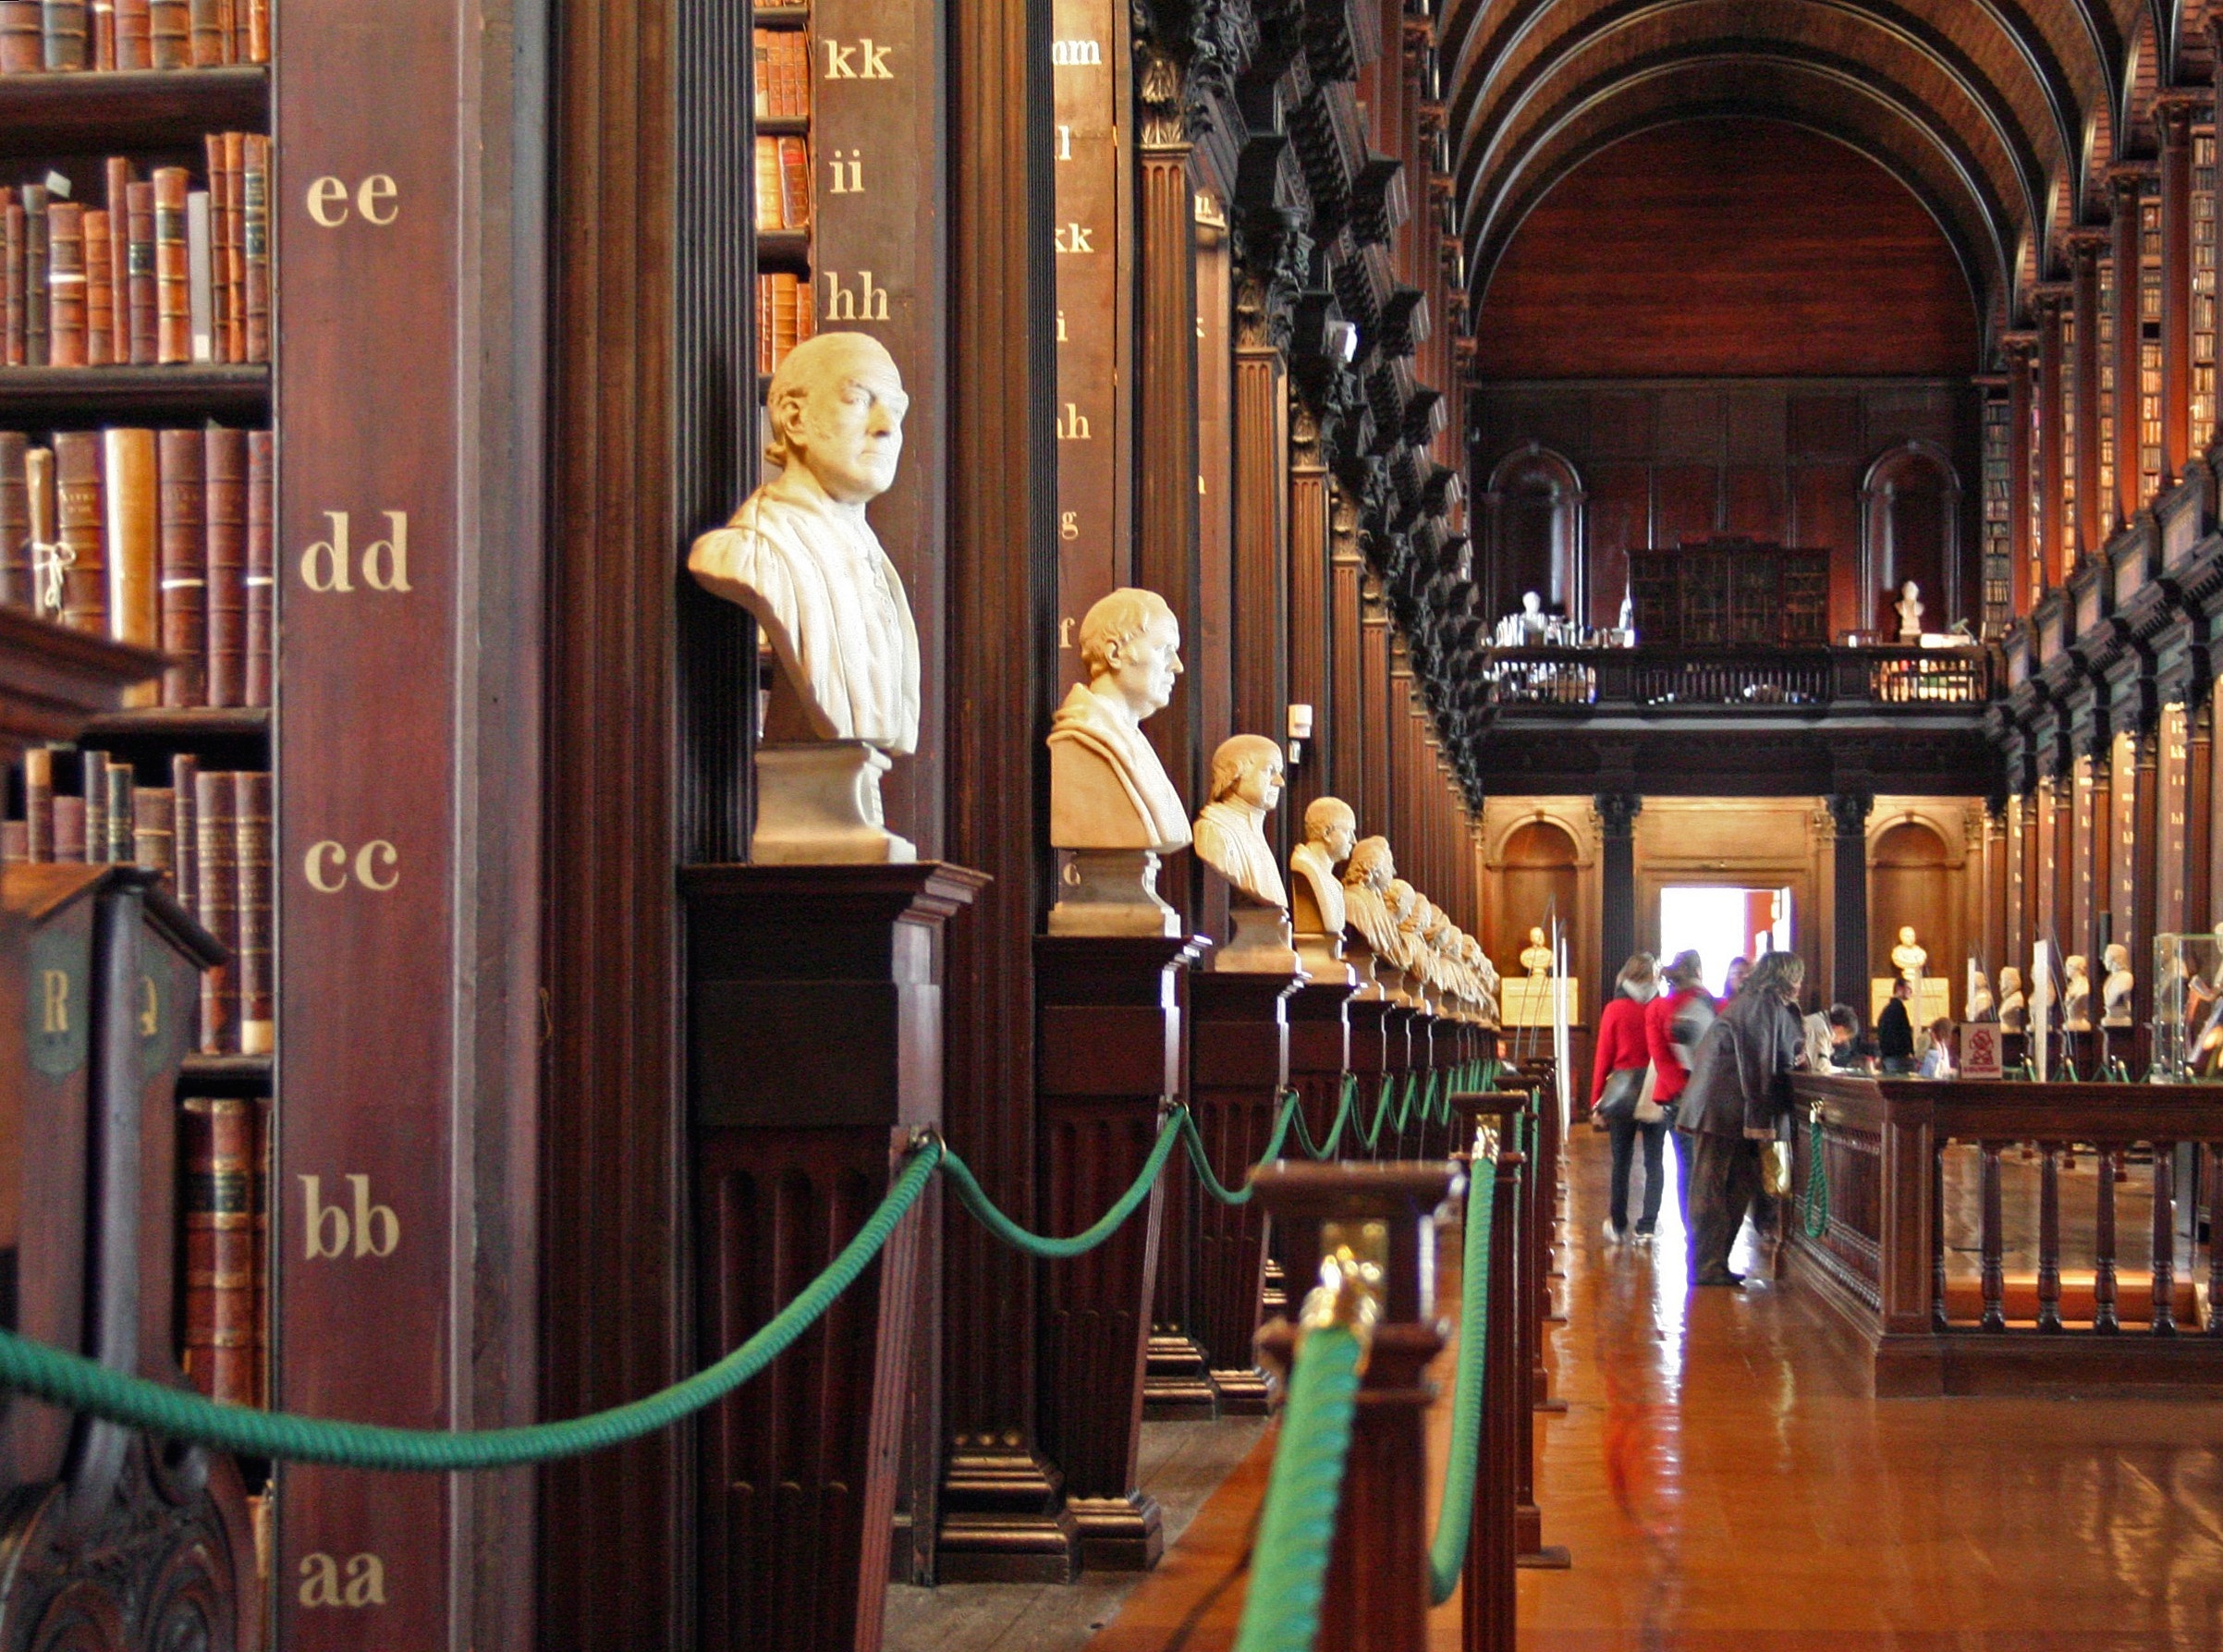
point(92, 790)
point(199, 290)
point(38, 802)
point(218, 876)
point(14, 842)
point(173, 274)
point(155, 828)
point(171, 33)
point(15, 290)
point(134, 36)
point(225, 500)
point(184, 532)
point(258, 30)
point(118, 171)
point(252, 801)
point(35, 290)
point(45, 533)
point(794, 183)
point(120, 812)
point(139, 284)
point(15, 519)
point(261, 566)
point(103, 17)
point(100, 302)
point(217, 1203)
point(231, 249)
point(127, 472)
point(69, 829)
point(258, 1198)
point(254, 234)
point(68, 38)
point(760, 85)
point(205, 36)
point(66, 283)
point(22, 37)
point(767, 184)
point(77, 463)
point(219, 251)
point(185, 830)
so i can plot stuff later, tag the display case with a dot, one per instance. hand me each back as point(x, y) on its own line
point(2188, 1007)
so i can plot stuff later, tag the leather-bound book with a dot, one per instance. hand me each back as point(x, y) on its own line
point(218, 909)
point(216, 1167)
point(252, 827)
point(138, 279)
point(794, 183)
point(134, 592)
point(172, 33)
point(69, 829)
point(204, 26)
point(92, 789)
point(134, 36)
point(254, 233)
point(258, 31)
point(184, 528)
point(219, 237)
point(46, 531)
point(14, 842)
point(119, 255)
point(184, 830)
point(767, 184)
point(173, 271)
point(100, 305)
point(231, 253)
point(69, 36)
point(226, 502)
point(15, 519)
point(103, 17)
point(155, 828)
point(35, 290)
point(78, 490)
point(120, 812)
point(38, 800)
point(66, 283)
point(15, 246)
point(22, 37)
point(261, 566)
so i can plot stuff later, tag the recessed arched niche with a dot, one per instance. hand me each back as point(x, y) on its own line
point(1542, 878)
point(1914, 879)
point(1533, 528)
point(1911, 531)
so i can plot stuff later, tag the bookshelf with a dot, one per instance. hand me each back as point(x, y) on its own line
point(2203, 317)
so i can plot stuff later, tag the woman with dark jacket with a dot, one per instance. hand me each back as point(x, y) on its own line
point(1674, 1023)
point(1621, 1060)
point(1739, 1082)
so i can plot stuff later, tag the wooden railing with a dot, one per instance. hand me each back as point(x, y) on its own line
point(1986, 1237)
point(1740, 680)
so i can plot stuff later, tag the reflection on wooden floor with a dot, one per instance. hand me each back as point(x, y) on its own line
point(1724, 1489)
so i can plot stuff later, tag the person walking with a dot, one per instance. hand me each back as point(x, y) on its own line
point(1617, 1089)
point(1739, 1084)
point(1894, 1030)
point(1675, 1022)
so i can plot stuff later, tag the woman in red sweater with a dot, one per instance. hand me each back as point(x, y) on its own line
point(1674, 1023)
point(1622, 1057)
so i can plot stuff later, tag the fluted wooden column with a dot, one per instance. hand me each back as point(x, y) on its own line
point(1259, 626)
point(2014, 946)
point(2201, 817)
point(1347, 735)
point(2094, 514)
point(1165, 518)
point(2144, 846)
point(2052, 525)
point(2174, 115)
point(1400, 811)
point(1376, 817)
point(2173, 883)
point(2126, 185)
point(2025, 578)
point(1311, 631)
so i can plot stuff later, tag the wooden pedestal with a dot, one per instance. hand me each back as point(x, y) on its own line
point(1320, 1042)
point(1368, 1019)
point(1397, 1061)
point(1238, 1064)
point(1177, 1381)
point(814, 1029)
point(1108, 1053)
point(1431, 1053)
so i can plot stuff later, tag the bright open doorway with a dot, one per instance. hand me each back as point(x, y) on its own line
point(1720, 924)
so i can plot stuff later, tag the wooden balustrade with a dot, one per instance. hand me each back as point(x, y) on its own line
point(1740, 678)
point(1376, 1598)
point(1920, 1173)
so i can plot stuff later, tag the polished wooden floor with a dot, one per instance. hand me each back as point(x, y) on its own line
point(1723, 1486)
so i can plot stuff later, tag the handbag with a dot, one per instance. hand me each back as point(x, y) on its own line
point(1617, 1101)
point(1649, 1111)
point(1774, 1169)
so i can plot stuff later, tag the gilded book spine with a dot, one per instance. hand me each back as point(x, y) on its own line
point(37, 314)
point(218, 1200)
point(173, 302)
point(22, 37)
point(92, 791)
point(38, 802)
point(15, 280)
point(15, 519)
point(254, 236)
point(77, 455)
point(155, 828)
point(134, 36)
point(184, 568)
point(120, 813)
point(134, 596)
point(226, 502)
point(139, 284)
point(45, 532)
point(67, 36)
point(258, 1024)
point(261, 575)
point(66, 283)
point(99, 308)
point(218, 878)
point(170, 31)
point(185, 828)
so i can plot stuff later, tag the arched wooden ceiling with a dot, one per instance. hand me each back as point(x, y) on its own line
point(2001, 115)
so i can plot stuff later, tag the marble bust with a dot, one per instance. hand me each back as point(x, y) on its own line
point(2014, 1010)
point(1110, 802)
point(1536, 958)
point(801, 557)
point(1317, 907)
point(2116, 989)
point(2076, 993)
point(1366, 879)
point(1909, 610)
point(1230, 838)
point(1485, 982)
point(1981, 1005)
point(1908, 958)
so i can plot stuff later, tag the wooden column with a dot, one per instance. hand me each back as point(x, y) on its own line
point(1165, 517)
point(2026, 577)
point(1998, 872)
point(1376, 815)
point(2172, 895)
point(2053, 528)
point(1488, 1586)
point(1259, 625)
point(2044, 922)
point(1000, 1514)
point(2174, 114)
point(2199, 815)
point(1312, 652)
point(1402, 813)
point(2094, 516)
point(1350, 737)
point(1849, 892)
point(1617, 866)
point(2126, 184)
point(2015, 940)
point(2147, 842)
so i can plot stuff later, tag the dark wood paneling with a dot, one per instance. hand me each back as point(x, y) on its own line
point(1826, 511)
point(1728, 246)
point(1621, 424)
point(1685, 499)
point(1825, 424)
point(1620, 521)
point(1753, 502)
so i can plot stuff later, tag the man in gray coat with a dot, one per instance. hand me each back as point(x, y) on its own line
point(1739, 1082)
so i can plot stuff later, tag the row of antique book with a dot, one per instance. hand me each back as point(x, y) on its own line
point(158, 537)
point(783, 75)
point(168, 271)
point(63, 36)
point(787, 313)
point(783, 183)
point(223, 1204)
point(210, 831)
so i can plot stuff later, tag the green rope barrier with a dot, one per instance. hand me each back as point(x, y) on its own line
point(1288, 1563)
point(1371, 1135)
point(974, 1199)
point(68, 1379)
point(1345, 1102)
point(1815, 1220)
point(1455, 1516)
point(1202, 1161)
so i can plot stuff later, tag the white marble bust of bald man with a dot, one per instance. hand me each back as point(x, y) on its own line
point(801, 557)
point(1230, 838)
point(1107, 788)
point(1331, 831)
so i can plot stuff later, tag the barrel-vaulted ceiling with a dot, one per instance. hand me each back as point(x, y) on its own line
point(2001, 115)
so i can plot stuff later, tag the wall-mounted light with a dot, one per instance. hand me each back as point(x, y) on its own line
point(1342, 341)
point(1300, 730)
